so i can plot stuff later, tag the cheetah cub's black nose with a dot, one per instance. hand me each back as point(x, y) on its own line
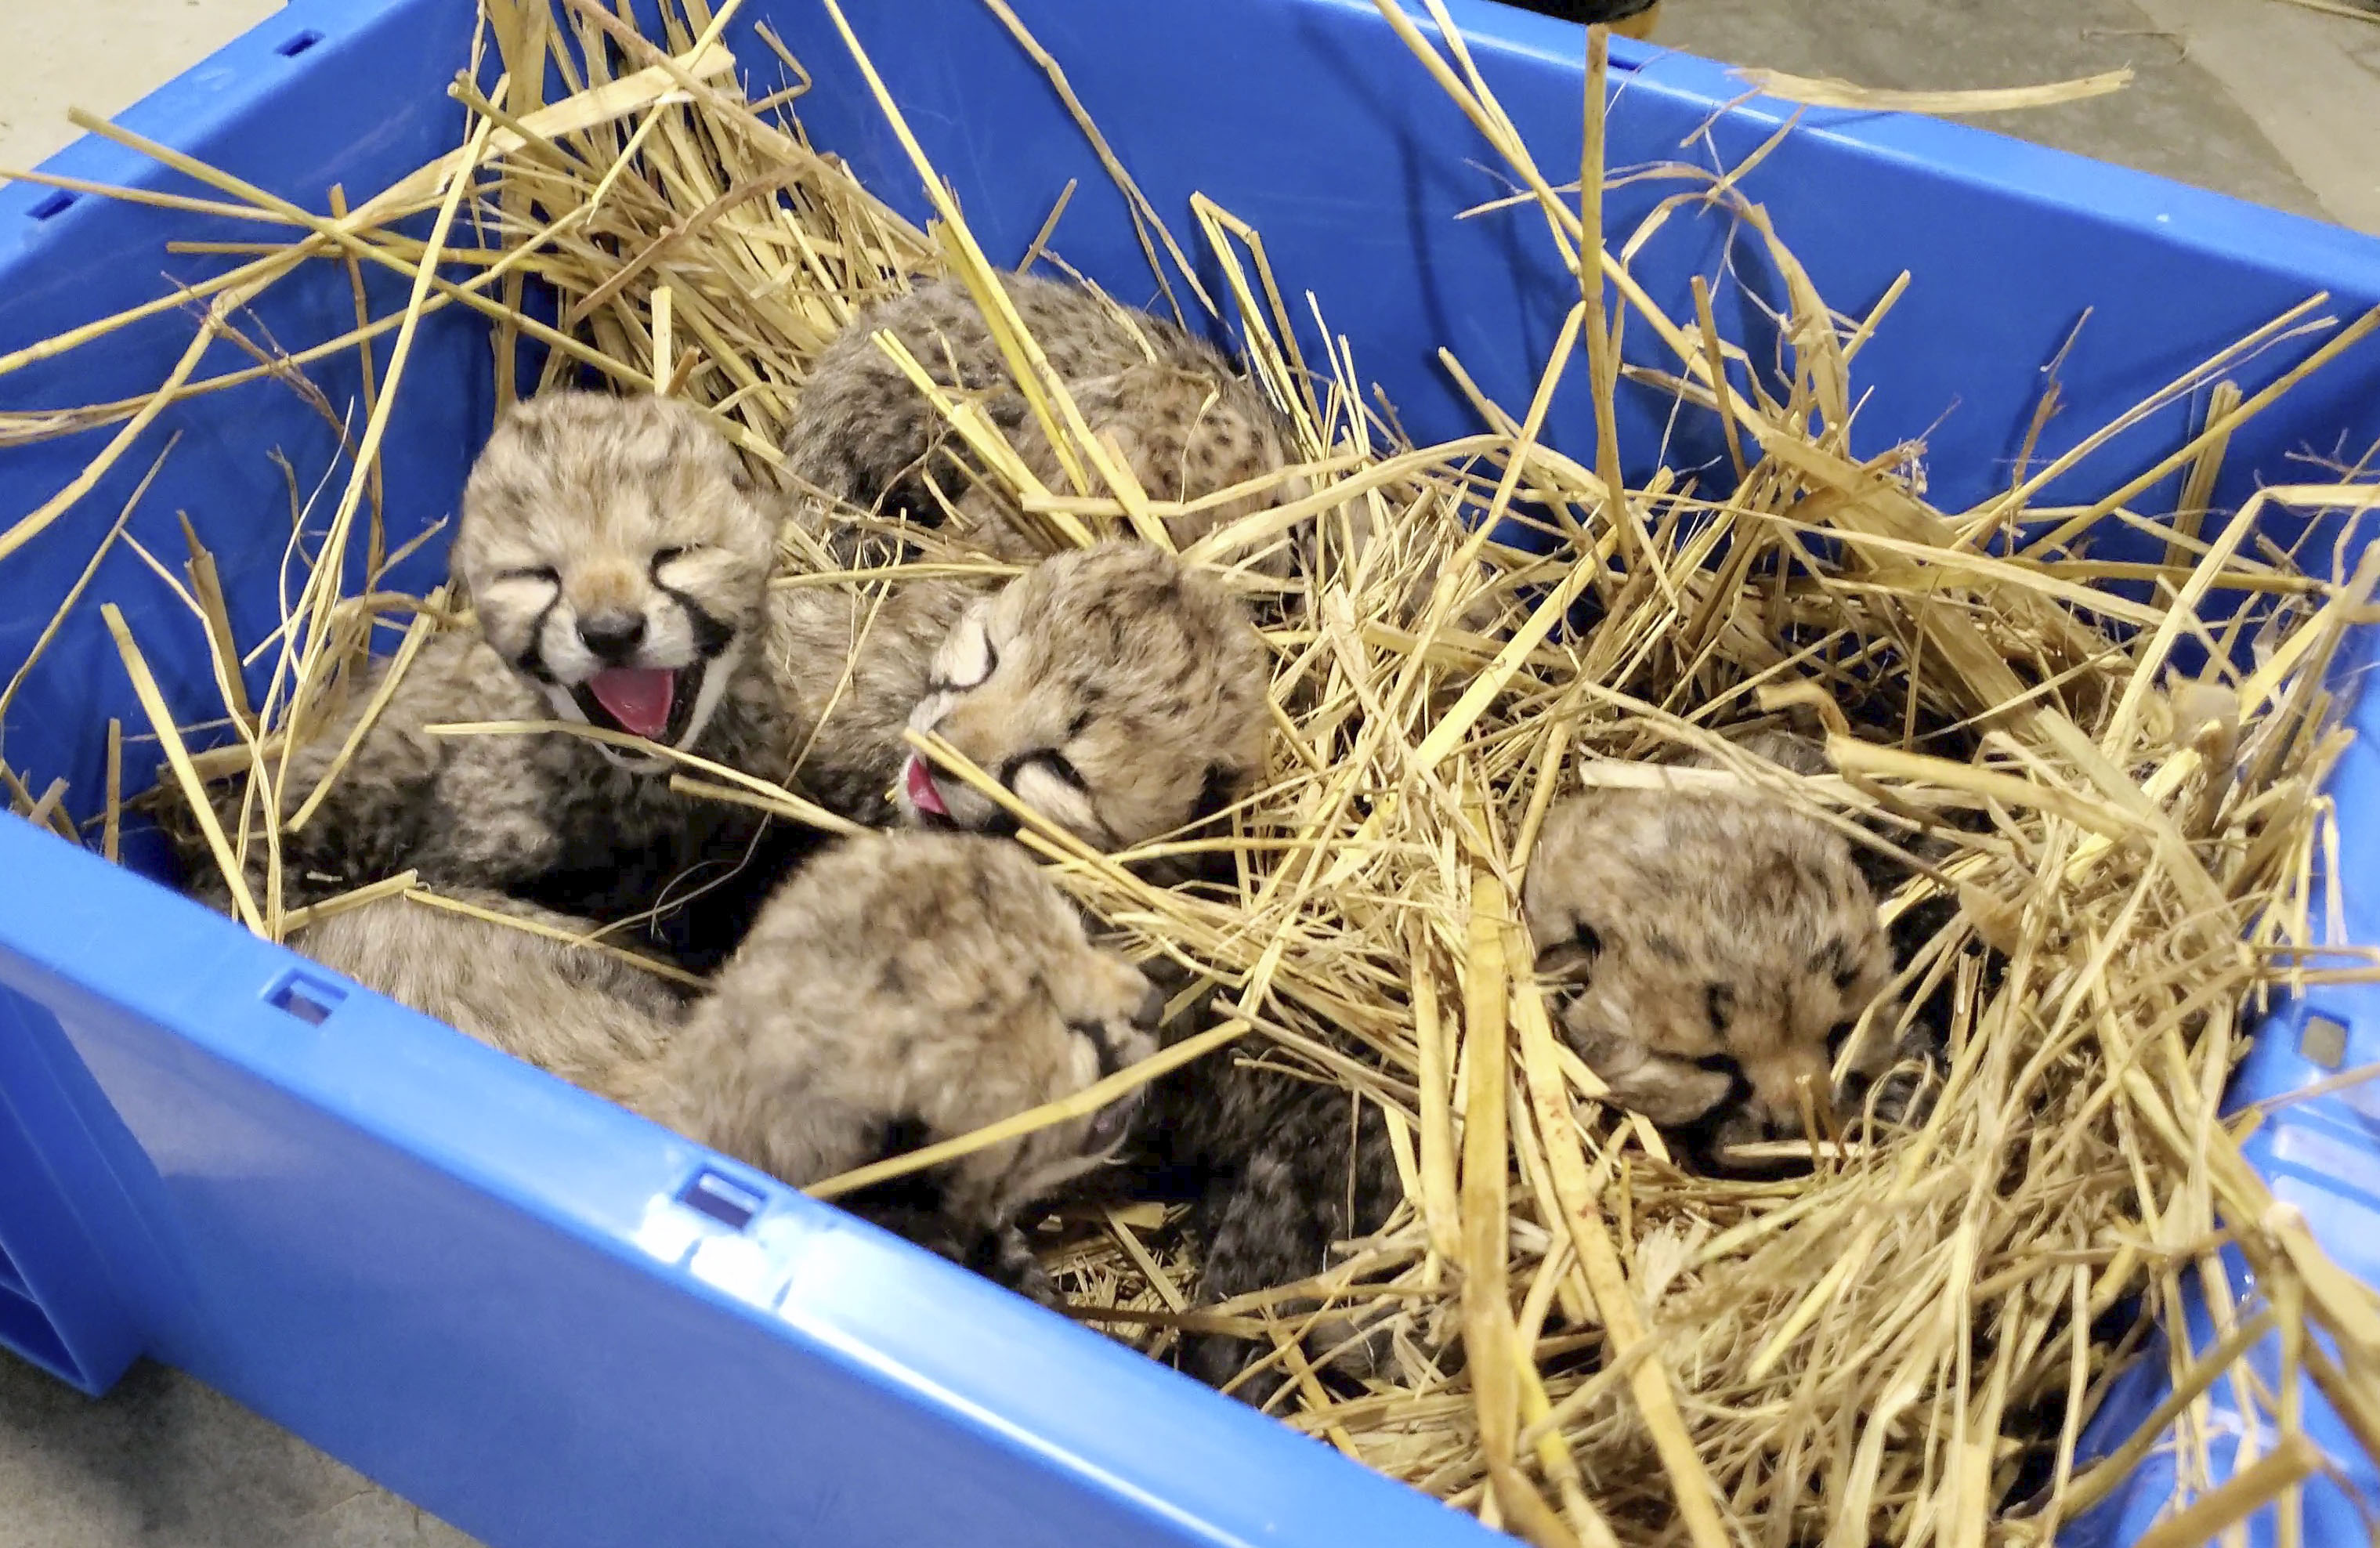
point(612, 635)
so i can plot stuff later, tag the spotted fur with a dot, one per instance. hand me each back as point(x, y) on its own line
point(1709, 954)
point(855, 662)
point(1283, 1168)
point(869, 442)
point(570, 1010)
point(900, 990)
point(1920, 1055)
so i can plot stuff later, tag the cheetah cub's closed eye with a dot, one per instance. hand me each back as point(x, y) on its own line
point(1709, 954)
point(1113, 689)
point(900, 990)
point(863, 436)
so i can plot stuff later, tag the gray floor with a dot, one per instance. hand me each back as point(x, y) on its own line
point(165, 1462)
point(2258, 98)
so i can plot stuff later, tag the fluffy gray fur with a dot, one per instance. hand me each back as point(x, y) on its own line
point(866, 441)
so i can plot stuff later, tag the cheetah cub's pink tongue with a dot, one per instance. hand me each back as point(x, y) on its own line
point(639, 697)
point(922, 792)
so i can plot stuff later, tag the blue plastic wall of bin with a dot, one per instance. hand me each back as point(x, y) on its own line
point(477, 1285)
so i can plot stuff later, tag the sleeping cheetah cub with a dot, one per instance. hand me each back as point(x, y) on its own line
point(616, 561)
point(865, 439)
point(899, 990)
point(571, 1010)
point(1709, 954)
point(1113, 689)
point(904, 989)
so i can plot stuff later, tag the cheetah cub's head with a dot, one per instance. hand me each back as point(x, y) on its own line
point(1114, 690)
point(965, 990)
point(616, 556)
point(1055, 1016)
point(1710, 955)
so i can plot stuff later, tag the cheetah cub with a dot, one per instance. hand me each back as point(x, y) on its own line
point(866, 439)
point(1709, 953)
point(571, 1010)
point(1113, 689)
point(616, 561)
point(904, 989)
point(1286, 1168)
point(900, 989)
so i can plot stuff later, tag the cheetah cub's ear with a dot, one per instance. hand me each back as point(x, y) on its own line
point(1113, 689)
point(904, 989)
point(1711, 956)
point(617, 557)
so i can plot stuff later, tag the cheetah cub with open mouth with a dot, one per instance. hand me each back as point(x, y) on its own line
point(1712, 955)
point(616, 558)
point(865, 439)
point(1113, 689)
point(616, 561)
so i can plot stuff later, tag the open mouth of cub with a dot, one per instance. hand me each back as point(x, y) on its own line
point(925, 796)
point(1112, 1124)
point(656, 703)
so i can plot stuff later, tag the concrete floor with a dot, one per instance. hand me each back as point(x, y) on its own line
point(2258, 98)
point(2263, 99)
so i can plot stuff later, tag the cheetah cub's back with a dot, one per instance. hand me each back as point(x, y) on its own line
point(570, 1010)
point(864, 437)
point(1709, 954)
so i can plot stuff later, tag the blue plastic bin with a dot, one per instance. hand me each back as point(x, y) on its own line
point(480, 1287)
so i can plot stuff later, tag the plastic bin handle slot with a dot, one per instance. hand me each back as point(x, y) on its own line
point(308, 999)
point(2322, 1041)
point(724, 1200)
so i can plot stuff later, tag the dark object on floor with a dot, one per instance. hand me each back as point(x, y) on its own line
point(1630, 19)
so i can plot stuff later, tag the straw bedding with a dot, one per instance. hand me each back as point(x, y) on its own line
point(1891, 1340)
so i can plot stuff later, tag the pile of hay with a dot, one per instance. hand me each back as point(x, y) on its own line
point(1900, 1342)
